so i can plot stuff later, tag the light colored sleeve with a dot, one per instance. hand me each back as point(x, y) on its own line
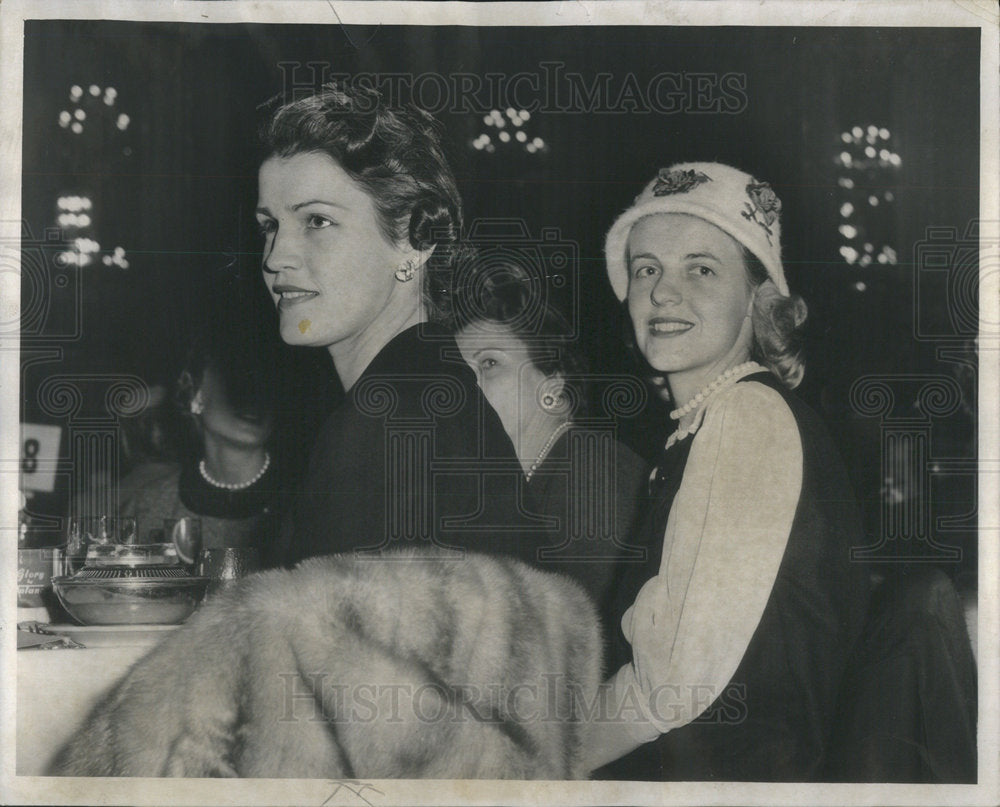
point(725, 537)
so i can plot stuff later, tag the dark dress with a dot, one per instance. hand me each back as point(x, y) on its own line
point(774, 719)
point(587, 490)
point(412, 457)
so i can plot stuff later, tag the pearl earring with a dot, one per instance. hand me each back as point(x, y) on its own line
point(404, 273)
point(197, 405)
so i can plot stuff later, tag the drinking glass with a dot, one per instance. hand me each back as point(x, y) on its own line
point(82, 533)
point(225, 565)
point(185, 535)
point(122, 530)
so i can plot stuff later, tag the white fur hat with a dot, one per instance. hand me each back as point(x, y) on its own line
point(733, 201)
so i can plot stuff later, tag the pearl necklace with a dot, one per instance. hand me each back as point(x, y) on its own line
point(728, 377)
point(725, 380)
point(234, 485)
point(545, 449)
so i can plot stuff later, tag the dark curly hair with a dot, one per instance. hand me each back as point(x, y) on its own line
point(395, 154)
point(499, 291)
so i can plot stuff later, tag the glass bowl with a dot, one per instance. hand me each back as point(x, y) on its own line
point(153, 595)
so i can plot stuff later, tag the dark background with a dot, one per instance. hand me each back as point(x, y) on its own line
point(177, 188)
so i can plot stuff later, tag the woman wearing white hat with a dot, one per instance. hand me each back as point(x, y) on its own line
point(736, 630)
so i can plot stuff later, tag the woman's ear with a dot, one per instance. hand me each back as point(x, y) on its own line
point(764, 289)
point(421, 256)
point(553, 395)
point(413, 260)
point(558, 382)
point(184, 391)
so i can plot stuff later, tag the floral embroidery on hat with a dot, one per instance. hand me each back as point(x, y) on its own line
point(677, 181)
point(764, 201)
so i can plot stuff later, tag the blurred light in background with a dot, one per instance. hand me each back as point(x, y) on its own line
point(81, 252)
point(867, 166)
point(73, 203)
point(521, 138)
point(73, 120)
point(117, 259)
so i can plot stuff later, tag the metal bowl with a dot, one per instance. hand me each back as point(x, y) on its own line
point(134, 596)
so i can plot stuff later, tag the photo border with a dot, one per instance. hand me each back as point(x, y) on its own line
point(14, 789)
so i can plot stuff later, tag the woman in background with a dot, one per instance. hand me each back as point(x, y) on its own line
point(737, 630)
point(533, 373)
point(226, 476)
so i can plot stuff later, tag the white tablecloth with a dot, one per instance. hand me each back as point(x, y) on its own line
point(56, 689)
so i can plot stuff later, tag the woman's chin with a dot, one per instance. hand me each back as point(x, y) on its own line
point(299, 333)
point(244, 444)
point(664, 364)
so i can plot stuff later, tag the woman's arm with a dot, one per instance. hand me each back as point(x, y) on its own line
point(726, 534)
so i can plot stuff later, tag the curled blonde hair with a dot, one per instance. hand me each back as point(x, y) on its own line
point(777, 322)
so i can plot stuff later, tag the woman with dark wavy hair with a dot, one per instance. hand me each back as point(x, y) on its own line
point(534, 373)
point(736, 631)
point(360, 214)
